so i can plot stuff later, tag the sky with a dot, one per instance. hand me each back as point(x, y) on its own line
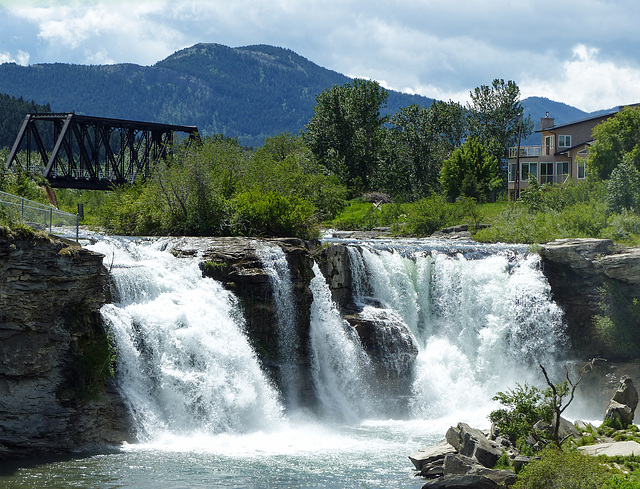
point(585, 53)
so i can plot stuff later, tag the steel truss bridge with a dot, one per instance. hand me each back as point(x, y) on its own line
point(79, 151)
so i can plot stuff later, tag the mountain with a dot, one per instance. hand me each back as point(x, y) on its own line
point(249, 92)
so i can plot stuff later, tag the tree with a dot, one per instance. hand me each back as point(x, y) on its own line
point(495, 115)
point(623, 188)
point(412, 162)
point(346, 130)
point(450, 120)
point(616, 138)
point(470, 171)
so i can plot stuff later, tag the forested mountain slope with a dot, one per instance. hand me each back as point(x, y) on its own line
point(249, 92)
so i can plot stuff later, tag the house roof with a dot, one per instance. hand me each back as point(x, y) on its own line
point(566, 150)
point(592, 118)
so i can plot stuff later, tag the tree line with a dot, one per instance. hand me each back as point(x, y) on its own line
point(417, 151)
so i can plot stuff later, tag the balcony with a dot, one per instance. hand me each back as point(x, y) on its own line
point(525, 151)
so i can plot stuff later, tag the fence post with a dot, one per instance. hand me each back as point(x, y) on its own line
point(50, 219)
point(77, 226)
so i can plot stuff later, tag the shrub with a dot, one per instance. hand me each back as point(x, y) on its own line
point(564, 470)
point(524, 406)
point(273, 214)
point(429, 215)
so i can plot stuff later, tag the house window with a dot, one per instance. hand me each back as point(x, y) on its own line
point(548, 145)
point(564, 141)
point(529, 169)
point(582, 174)
point(546, 172)
point(512, 172)
point(562, 171)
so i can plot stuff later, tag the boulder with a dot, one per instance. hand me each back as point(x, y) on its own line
point(623, 403)
point(430, 455)
point(456, 464)
point(615, 449)
point(472, 442)
point(567, 429)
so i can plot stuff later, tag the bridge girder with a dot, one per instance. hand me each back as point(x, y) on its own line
point(93, 152)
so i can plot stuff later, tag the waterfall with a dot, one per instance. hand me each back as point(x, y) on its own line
point(276, 265)
point(480, 324)
point(448, 329)
point(184, 362)
point(340, 368)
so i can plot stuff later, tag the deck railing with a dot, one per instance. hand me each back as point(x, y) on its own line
point(525, 151)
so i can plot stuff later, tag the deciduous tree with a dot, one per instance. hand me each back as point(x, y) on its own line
point(346, 130)
point(495, 115)
point(616, 138)
point(470, 171)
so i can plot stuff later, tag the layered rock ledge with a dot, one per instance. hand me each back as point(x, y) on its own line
point(53, 398)
point(592, 279)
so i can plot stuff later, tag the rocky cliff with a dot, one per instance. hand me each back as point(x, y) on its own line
point(56, 394)
point(237, 264)
point(598, 286)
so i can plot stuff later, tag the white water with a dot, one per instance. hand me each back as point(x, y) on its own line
point(341, 369)
point(207, 415)
point(184, 363)
point(276, 265)
point(480, 324)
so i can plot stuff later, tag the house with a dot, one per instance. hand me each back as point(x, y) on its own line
point(560, 157)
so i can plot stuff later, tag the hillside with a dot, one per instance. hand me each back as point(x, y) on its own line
point(250, 92)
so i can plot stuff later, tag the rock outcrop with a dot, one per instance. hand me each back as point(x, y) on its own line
point(55, 394)
point(464, 460)
point(594, 281)
point(624, 402)
point(237, 264)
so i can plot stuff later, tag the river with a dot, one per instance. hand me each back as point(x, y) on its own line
point(206, 415)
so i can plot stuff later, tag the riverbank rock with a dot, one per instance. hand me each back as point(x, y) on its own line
point(614, 449)
point(472, 442)
point(623, 403)
point(54, 396)
point(464, 460)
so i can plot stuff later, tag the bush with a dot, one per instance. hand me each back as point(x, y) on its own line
point(429, 215)
point(524, 406)
point(273, 214)
point(565, 470)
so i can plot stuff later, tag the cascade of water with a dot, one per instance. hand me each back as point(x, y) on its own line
point(478, 322)
point(185, 364)
point(340, 368)
point(276, 265)
point(358, 275)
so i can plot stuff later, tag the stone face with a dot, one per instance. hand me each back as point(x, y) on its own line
point(624, 402)
point(584, 275)
point(50, 295)
point(431, 454)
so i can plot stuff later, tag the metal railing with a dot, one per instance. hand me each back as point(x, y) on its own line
point(525, 151)
point(41, 217)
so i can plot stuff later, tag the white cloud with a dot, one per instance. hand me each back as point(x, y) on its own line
point(589, 82)
point(433, 48)
point(22, 58)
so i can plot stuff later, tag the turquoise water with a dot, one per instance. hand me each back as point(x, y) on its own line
point(369, 455)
